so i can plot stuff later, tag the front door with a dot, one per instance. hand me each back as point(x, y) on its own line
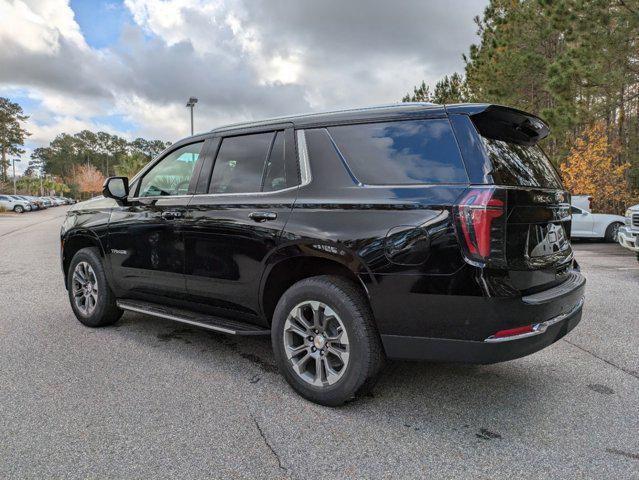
point(146, 243)
point(231, 229)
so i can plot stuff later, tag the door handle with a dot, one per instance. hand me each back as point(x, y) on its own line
point(262, 216)
point(171, 214)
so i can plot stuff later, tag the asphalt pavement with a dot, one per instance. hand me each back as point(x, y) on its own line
point(148, 398)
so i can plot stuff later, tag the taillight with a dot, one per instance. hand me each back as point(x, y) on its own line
point(511, 332)
point(482, 215)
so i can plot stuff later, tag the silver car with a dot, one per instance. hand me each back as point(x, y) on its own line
point(15, 204)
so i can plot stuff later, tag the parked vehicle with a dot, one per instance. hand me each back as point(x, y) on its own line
point(408, 231)
point(32, 203)
point(9, 202)
point(629, 233)
point(37, 200)
point(56, 201)
point(46, 201)
point(595, 225)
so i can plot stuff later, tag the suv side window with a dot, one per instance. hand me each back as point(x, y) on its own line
point(401, 152)
point(575, 210)
point(171, 175)
point(252, 163)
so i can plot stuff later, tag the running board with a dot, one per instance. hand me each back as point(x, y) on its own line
point(208, 322)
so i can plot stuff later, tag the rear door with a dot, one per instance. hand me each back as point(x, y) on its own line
point(235, 220)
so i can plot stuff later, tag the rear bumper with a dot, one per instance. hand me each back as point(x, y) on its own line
point(482, 352)
point(628, 239)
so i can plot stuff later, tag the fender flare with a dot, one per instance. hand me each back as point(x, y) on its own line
point(329, 251)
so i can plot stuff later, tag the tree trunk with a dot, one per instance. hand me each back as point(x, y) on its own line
point(622, 120)
point(4, 163)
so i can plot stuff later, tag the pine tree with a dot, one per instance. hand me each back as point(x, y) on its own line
point(12, 134)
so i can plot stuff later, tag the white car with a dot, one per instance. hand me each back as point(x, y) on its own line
point(16, 204)
point(629, 233)
point(595, 225)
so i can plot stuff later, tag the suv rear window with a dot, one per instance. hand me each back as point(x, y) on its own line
point(521, 165)
point(404, 152)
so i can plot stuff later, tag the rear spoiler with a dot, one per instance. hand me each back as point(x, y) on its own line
point(508, 124)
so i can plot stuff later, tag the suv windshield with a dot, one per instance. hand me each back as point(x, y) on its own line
point(521, 165)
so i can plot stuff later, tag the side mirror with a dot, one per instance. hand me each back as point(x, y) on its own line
point(116, 188)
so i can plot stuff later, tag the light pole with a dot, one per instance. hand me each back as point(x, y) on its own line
point(15, 191)
point(191, 103)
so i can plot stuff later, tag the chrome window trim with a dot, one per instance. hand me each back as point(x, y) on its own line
point(241, 194)
point(302, 158)
point(158, 197)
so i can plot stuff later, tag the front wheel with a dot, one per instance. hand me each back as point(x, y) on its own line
point(612, 232)
point(325, 341)
point(18, 209)
point(91, 298)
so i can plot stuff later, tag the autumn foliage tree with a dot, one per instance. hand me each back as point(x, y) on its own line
point(88, 178)
point(592, 168)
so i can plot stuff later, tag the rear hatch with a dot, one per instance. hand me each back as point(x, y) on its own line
point(519, 219)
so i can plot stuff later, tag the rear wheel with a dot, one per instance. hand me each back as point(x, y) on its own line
point(18, 209)
point(325, 341)
point(612, 232)
point(91, 298)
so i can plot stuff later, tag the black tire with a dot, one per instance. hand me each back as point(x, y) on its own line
point(612, 232)
point(366, 355)
point(105, 312)
point(18, 209)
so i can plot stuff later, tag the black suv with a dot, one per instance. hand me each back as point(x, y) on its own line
point(412, 231)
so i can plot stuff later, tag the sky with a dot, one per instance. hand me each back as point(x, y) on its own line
point(128, 67)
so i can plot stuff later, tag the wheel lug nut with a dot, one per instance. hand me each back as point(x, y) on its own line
point(313, 349)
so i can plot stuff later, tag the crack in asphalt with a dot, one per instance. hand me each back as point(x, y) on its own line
point(616, 451)
point(270, 447)
point(632, 373)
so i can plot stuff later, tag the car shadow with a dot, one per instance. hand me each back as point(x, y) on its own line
point(405, 390)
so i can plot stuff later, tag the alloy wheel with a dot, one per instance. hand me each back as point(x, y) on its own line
point(316, 343)
point(84, 286)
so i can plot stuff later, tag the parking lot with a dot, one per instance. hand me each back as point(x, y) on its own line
point(149, 398)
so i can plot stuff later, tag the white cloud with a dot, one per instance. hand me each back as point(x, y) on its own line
point(39, 25)
point(242, 58)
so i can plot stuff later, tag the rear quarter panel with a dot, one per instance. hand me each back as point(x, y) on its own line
point(335, 218)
